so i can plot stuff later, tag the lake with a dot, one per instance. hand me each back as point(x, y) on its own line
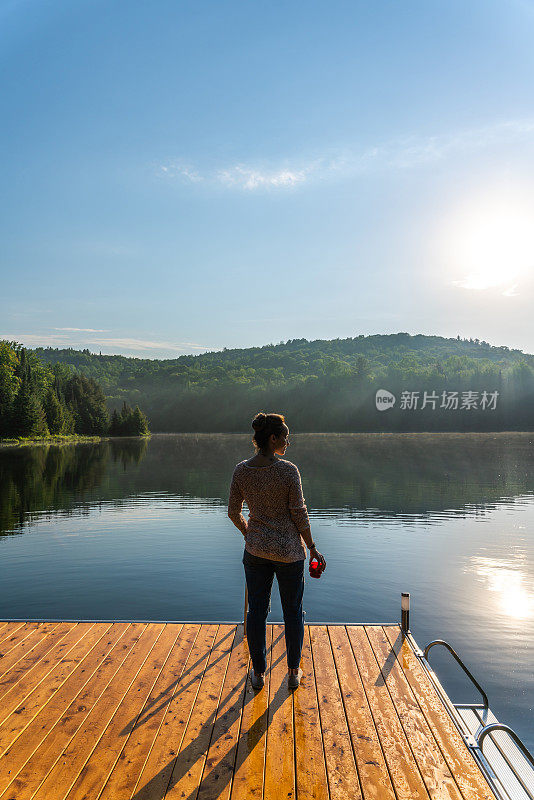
point(132, 529)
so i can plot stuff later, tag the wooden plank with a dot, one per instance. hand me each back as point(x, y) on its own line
point(72, 758)
point(16, 632)
point(280, 752)
point(216, 781)
point(470, 779)
point(11, 655)
point(436, 774)
point(39, 745)
point(370, 760)
point(120, 711)
point(250, 759)
point(98, 767)
point(126, 773)
point(33, 668)
point(402, 767)
point(189, 765)
point(20, 639)
point(157, 771)
point(24, 706)
point(341, 768)
point(52, 708)
point(310, 766)
point(10, 628)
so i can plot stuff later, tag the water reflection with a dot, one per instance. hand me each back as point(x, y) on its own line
point(405, 477)
point(510, 581)
point(54, 478)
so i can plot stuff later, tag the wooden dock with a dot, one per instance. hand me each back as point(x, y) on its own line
point(117, 710)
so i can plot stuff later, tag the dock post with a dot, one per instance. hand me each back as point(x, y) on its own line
point(245, 613)
point(405, 612)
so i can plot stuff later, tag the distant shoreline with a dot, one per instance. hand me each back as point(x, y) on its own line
point(346, 433)
point(78, 439)
point(25, 441)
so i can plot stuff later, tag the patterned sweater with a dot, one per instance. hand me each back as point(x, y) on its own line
point(277, 512)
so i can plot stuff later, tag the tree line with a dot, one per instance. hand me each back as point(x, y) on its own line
point(322, 385)
point(38, 399)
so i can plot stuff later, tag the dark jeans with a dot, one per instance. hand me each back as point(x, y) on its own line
point(259, 573)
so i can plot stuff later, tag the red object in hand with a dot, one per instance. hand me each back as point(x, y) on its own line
point(316, 569)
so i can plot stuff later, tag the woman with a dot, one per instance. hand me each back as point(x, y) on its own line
point(276, 533)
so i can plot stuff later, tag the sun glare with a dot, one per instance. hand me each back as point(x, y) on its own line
point(511, 585)
point(492, 247)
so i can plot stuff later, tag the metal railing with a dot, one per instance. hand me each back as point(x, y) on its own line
point(475, 740)
point(461, 663)
point(498, 726)
point(488, 730)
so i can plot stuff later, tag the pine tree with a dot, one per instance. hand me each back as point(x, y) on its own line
point(69, 424)
point(39, 426)
point(55, 417)
point(28, 416)
point(139, 422)
point(126, 420)
point(115, 425)
point(9, 385)
point(87, 402)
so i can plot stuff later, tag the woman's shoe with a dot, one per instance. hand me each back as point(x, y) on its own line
point(293, 681)
point(257, 681)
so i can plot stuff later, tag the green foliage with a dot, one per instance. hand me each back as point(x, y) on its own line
point(28, 417)
point(60, 420)
point(321, 385)
point(9, 381)
point(88, 403)
point(129, 422)
point(140, 422)
point(39, 399)
point(114, 427)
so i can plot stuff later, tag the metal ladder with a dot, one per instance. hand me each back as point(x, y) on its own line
point(506, 762)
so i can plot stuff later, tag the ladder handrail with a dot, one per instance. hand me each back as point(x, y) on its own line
point(499, 726)
point(461, 663)
point(487, 730)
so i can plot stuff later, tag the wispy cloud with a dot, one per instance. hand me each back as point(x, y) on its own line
point(38, 339)
point(131, 344)
point(85, 330)
point(144, 344)
point(253, 178)
point(176, 169)
point(408, 152)
point(480, 283)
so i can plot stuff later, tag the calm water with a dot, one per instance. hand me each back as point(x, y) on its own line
point(138, 530)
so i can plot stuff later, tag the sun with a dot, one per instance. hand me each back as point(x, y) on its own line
point(492, 246)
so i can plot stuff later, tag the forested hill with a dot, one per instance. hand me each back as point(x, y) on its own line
point(323, 384)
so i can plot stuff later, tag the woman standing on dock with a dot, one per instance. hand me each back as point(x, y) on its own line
point(276, 533)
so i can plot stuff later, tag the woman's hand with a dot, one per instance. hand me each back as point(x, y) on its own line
point(314, 553)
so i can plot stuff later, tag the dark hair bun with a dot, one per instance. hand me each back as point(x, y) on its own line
point(265, 425)
point(260, 421)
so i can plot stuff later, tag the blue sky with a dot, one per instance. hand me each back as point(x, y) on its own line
point(185, 176)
